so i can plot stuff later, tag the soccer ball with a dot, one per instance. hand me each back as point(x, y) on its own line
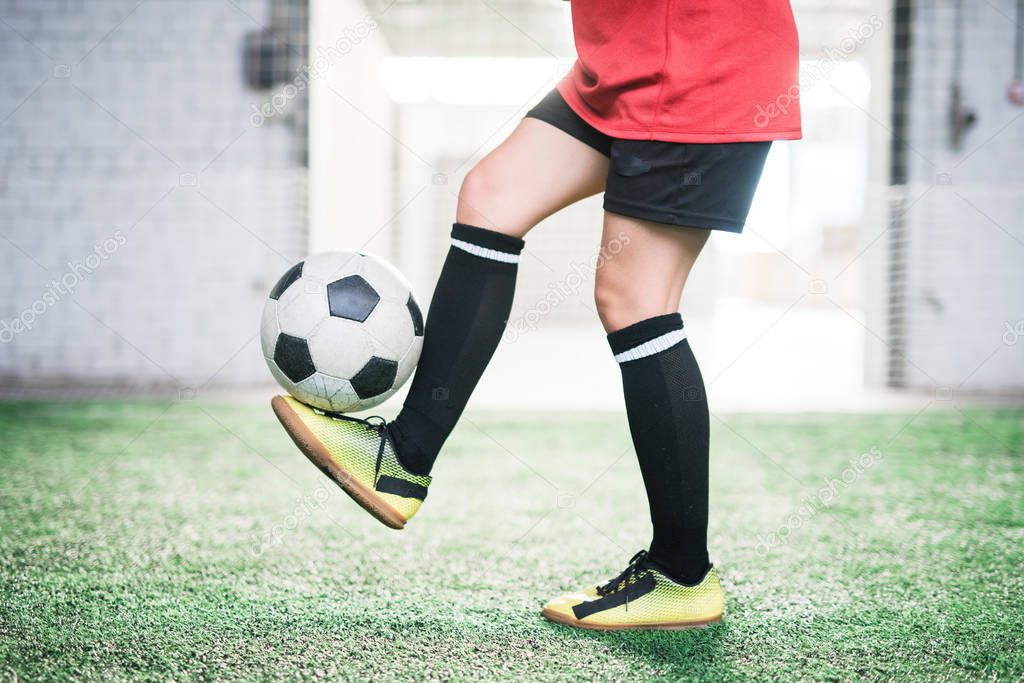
point(341, 331)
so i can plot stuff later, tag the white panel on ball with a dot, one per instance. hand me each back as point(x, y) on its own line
point(385, 278)
point(269, 328)
point(389, 330)
point(302, 306)
point(408, 362)
point(331, 265)
point(339, 347)
point(328, 393)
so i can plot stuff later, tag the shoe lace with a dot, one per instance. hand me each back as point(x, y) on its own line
point(375, 423)
point(635, 569)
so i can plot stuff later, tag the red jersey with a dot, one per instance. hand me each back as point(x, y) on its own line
point(686, 70)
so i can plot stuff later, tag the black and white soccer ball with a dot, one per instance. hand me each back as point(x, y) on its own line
point(341, 331)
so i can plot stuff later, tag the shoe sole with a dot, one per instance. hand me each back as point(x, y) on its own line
point(558, 618)
point(314, 449)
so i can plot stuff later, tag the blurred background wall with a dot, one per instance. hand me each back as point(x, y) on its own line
point(223, 140)
point(145, 207)
point(956, 285)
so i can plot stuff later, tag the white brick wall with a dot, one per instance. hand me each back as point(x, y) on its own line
point(111, 110)
point(965, 228)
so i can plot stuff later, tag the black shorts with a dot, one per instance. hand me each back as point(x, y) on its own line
point(686, 184)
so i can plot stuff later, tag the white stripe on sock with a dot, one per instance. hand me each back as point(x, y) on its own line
point(651, 347)
point(484, 252)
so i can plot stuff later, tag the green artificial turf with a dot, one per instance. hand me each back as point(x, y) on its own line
point(188, 540)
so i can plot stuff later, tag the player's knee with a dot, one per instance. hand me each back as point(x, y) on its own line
point(478, 199)
point(476, 189)
point(621, 303)
point(613, 304)
point(485, 203)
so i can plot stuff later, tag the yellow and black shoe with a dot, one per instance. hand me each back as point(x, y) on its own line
point(641, 597)
point(359, 456)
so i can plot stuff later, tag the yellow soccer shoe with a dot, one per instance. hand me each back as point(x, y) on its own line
point(358, 456)
point(641, 597)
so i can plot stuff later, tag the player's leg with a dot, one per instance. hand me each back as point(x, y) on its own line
point(538, 170)
point(654, 191)
point(550, 161)
point(637, 293)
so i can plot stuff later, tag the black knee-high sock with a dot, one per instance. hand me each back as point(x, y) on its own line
point(466, 319)
point(668, 419)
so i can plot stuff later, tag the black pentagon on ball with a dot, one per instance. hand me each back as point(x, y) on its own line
point(352, 297)
point(292, 355)
point(290, 276)
point(376, 377)
point(417, 317)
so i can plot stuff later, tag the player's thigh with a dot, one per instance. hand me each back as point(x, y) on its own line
point(536, 171)
point(642, 269)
